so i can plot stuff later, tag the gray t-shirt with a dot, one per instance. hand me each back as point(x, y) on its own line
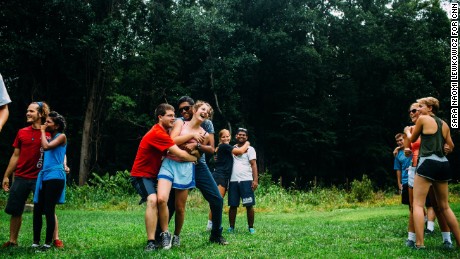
point(4, 97)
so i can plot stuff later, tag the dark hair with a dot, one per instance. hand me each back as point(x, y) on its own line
point(185, 99)
point(161, 110)
point(59, 120)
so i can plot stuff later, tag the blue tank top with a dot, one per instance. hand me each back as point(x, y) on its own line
point(53, 166)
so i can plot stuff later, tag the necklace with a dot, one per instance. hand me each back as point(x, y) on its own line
point(32, 134)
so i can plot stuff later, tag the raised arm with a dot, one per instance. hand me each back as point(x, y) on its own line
point(61, 139)
point(241, 150)
point(179, 140)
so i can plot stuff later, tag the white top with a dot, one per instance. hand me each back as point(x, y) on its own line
point(241, 170)
point(4, 97)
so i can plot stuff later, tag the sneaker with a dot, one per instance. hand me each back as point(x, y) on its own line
point(151, 246)
point(416, 247)
point(429, 232)
point(218, 240)
point(209, 226)
point(35, 246)
point(166, 240)
point(410, 243)
point(231, 230)
point(252, 230)
point(447, 245)
point(9, 244)
point(58, 243)
point(45, 247)
point(176, 241)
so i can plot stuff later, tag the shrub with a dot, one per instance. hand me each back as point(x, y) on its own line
point(361, 190)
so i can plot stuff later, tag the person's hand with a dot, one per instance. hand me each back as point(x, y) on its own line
point(447, 149)
point(66, 169)
point(189, 147)
point(196, 153)
point(400, 188)
point(6, 184)
point(198, 137)
point(254, 185)
point(43, 127)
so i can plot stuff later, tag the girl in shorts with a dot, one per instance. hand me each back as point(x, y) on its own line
point(433, 168)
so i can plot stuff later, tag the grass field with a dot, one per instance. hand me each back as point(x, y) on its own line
point(360, 232)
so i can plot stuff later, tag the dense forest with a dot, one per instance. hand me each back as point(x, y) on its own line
point(322, 85)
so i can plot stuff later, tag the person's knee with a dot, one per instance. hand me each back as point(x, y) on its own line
point(163, 200)
point(152, 201)
point(180, 210)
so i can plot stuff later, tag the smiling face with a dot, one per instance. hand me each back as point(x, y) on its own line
point(414, 113)
point(201, 111)
point(241, 137)
point(167, 120)
point(185, 110)
point(424, 109)
point(50, 125)
point(32, 114)
point(224, 136)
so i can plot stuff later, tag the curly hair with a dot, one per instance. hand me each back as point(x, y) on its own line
point(59, 120)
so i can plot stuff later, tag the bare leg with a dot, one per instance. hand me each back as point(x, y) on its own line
point(250, 215)
point(232, 216)
point(164, 187)
point(421, 187)
point(15, 226)
point(151, 216)
point(181, 200)
point(442, 195)
point(441, 220)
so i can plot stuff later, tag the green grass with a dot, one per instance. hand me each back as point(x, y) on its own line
point(361, 232)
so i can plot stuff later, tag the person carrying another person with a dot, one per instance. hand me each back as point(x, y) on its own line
point(153, 147)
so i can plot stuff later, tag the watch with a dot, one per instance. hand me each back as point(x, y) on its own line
point(198, 146)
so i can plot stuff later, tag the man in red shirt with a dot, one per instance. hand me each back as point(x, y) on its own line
point(153, 147)
point(26, 162)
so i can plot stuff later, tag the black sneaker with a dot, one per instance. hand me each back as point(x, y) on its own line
point(218, 240)
point(151, 246)
point(429, 232)
point(447, 245)
point(166, 240)
point(410, 243)
point(45, 247)
point(176, 241)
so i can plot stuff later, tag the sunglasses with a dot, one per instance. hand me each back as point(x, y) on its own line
point(413, 111)
point(185, 108)
point(243, 129)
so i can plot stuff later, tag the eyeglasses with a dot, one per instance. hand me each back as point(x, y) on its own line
point(413, 111)
point(185, 108)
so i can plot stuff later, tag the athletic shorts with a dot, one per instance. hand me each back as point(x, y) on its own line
point(241, 190)
point(405, 194)
point(411, 176)
point(434, 170)
point(144, 187)
point(181, 174)
point(19, 192)
point(221, 179)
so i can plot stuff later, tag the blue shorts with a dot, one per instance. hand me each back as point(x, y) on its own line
point(144, 187)
point(241, 190)
point(181, 174)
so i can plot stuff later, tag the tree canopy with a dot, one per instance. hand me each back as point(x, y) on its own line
point(322, 86)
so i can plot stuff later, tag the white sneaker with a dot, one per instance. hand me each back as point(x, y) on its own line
point(35, 245)
point(209, 226)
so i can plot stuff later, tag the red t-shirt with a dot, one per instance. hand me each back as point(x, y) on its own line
point(30, 159)
point(151, 150)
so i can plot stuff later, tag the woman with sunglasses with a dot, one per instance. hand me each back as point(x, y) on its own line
point(178, 174)
point(430, 203)
point(433, 168)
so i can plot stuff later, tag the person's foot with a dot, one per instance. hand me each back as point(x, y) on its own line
point(410, 243)
point(9, 244)
point(429, 232)
point(58, 243)
point(218, 240)
point(420, 247)
point(45, 247)
point(151, 246)
point(166, 240)
point(447, 245)
point(252, 230)
point(176, 241)
point(35, 246)
point(231, 230)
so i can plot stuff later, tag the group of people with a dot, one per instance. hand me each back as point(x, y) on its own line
point(38, 166)
point(170, 161)
point(423, 173)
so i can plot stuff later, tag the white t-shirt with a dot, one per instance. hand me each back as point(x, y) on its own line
point(4, 97)
point(241, 170)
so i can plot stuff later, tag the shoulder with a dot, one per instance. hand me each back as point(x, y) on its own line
point(208, 126)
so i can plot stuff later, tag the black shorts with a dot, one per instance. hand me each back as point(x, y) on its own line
point(405, 194)
point(144, 187)
point(19, 192)
point(241, 190)
point(221, 180)
point(435, 170)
